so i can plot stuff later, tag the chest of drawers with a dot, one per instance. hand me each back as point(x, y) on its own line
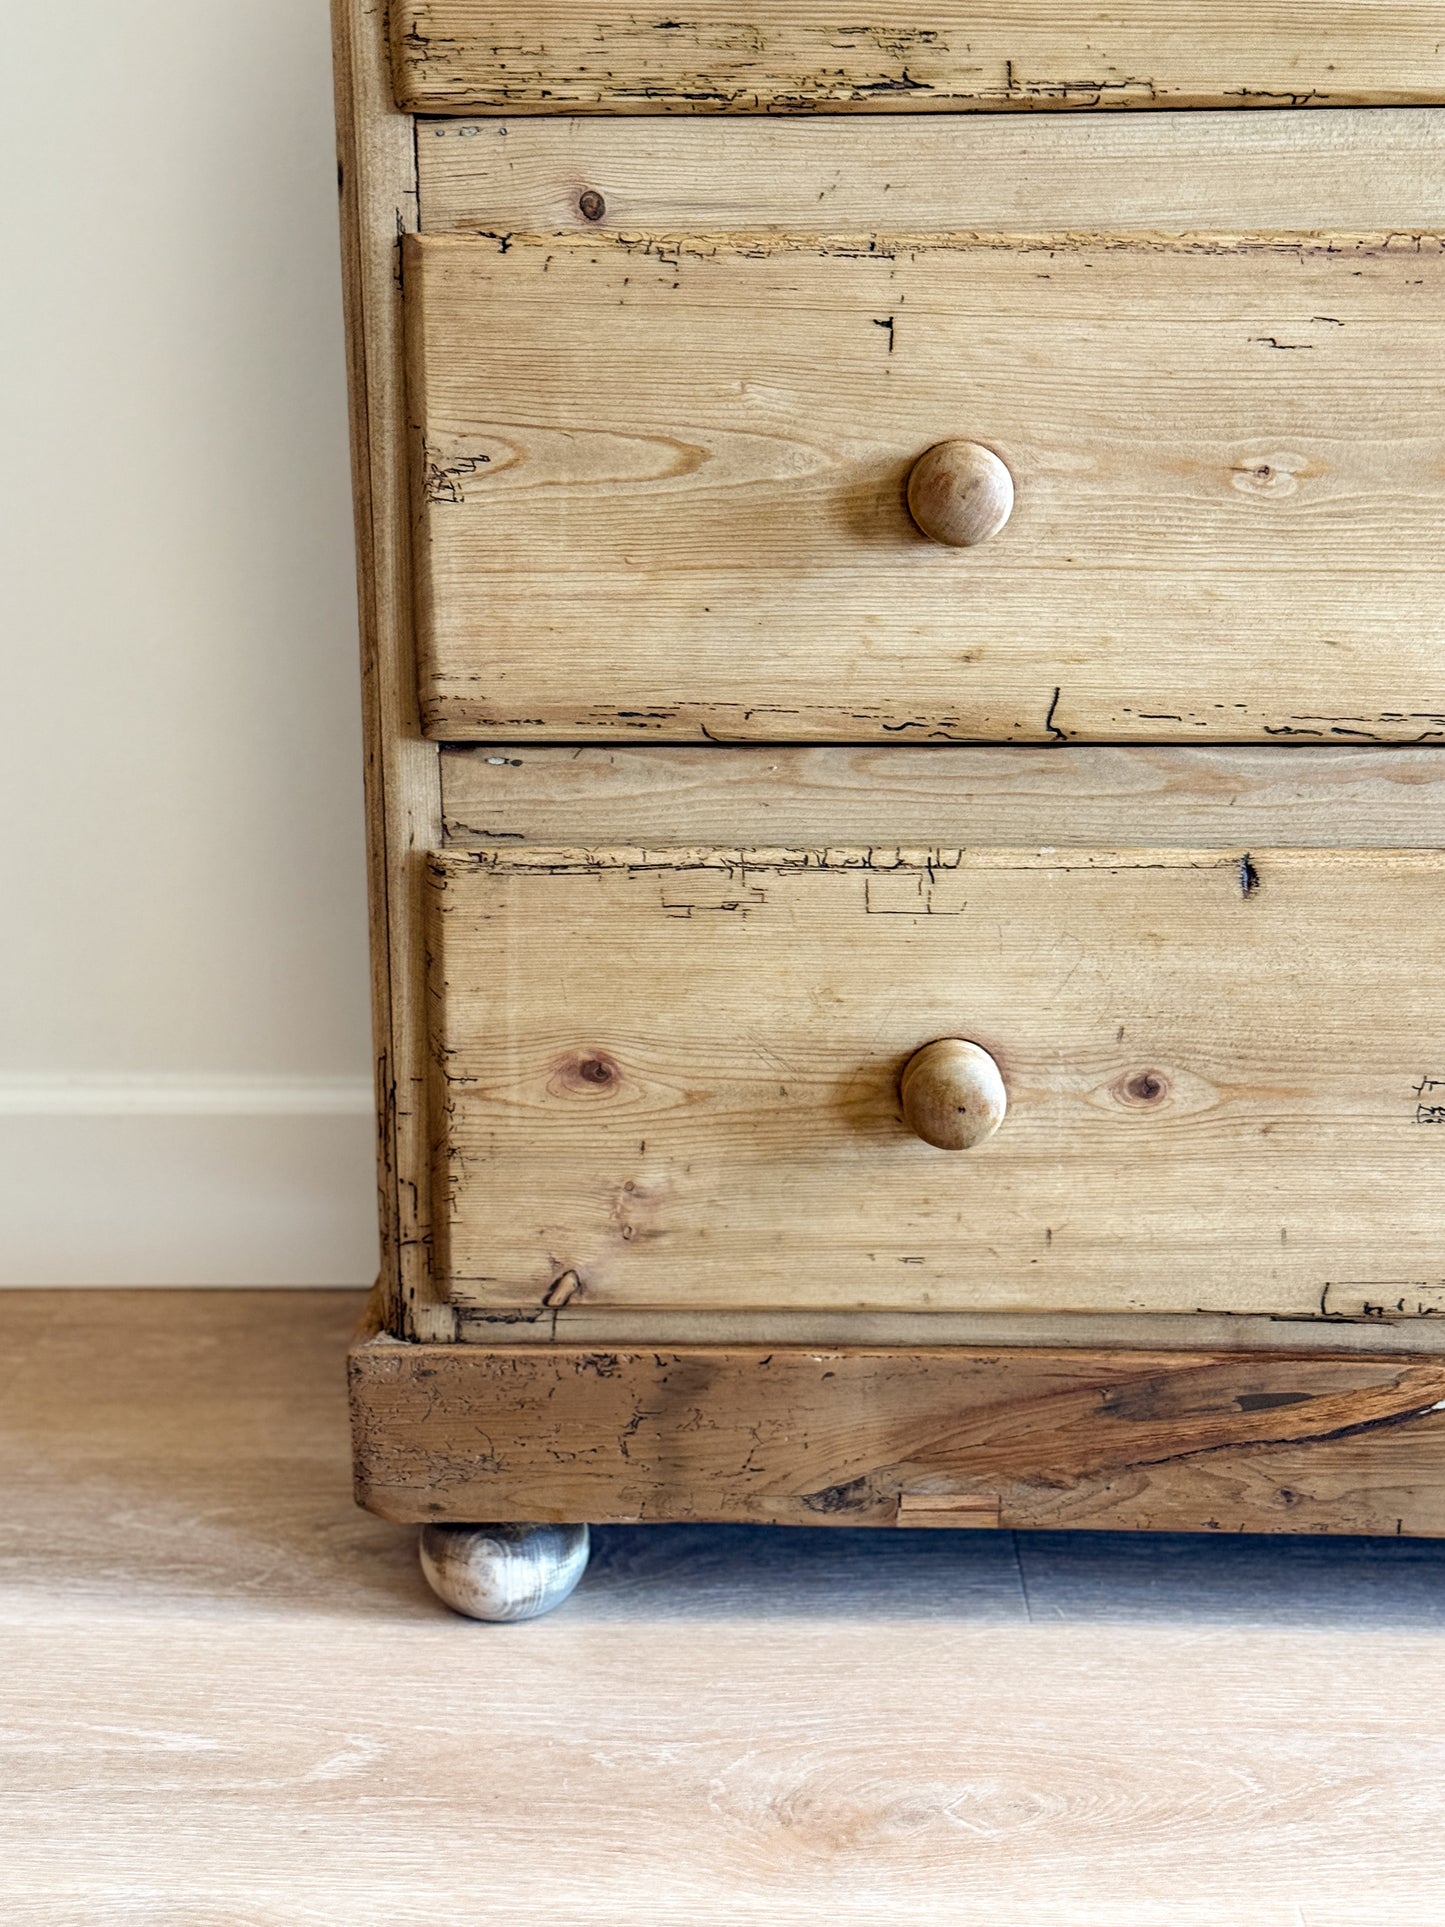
point(905, 669)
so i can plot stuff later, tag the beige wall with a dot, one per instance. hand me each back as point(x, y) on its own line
point(184, 1056)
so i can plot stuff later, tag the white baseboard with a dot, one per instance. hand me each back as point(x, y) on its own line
point(124, 1094)
point(186, 1181)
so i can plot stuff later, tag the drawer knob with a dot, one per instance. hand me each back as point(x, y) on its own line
point(960, 493)
point(953, 1094)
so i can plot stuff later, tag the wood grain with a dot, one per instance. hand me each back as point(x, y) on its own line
point(779, 55)
point(1140, 1440)
point(377, 179)
point(662, 488)
point(670, 1078)
point(1378, 1329)
point(1091, 796)
point(229, 1697)
point(1363, 169)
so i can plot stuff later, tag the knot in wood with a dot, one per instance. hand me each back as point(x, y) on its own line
point(1146, 1087)
point(591, 1070)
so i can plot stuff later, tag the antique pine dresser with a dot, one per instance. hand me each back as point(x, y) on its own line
point(903, 579)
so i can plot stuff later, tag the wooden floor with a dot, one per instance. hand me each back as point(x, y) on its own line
point(226, 1696)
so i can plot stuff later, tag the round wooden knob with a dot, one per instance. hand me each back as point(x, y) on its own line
point(960, 493)
point(953, 1094)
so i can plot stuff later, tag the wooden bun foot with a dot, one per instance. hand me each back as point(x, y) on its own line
point(503, 1572)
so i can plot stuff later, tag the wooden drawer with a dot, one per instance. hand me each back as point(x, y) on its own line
point(671, 1079)
point(718, 58)
point(662, 478)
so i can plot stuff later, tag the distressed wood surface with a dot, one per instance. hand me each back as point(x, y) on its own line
point(780, 55)
point(1366, 169)
point(228, 1696)
point(1401, 1326)
point(1011, 1438)
point(1093, 796)
point(377, 181)
point(670, 1078)
point(662, 487)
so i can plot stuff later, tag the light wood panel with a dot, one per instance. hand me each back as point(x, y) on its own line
point(229, 1698)
point(669, 1078)
point(1355, 168)
point(377, 181)
point(1396, 1328)
point(1003, 1438)
point(778, 54)
point(662, 488)
point(1066, 796)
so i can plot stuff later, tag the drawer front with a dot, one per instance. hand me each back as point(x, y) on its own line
point(672, 1079)
point(454, 54)
point(664, 487)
